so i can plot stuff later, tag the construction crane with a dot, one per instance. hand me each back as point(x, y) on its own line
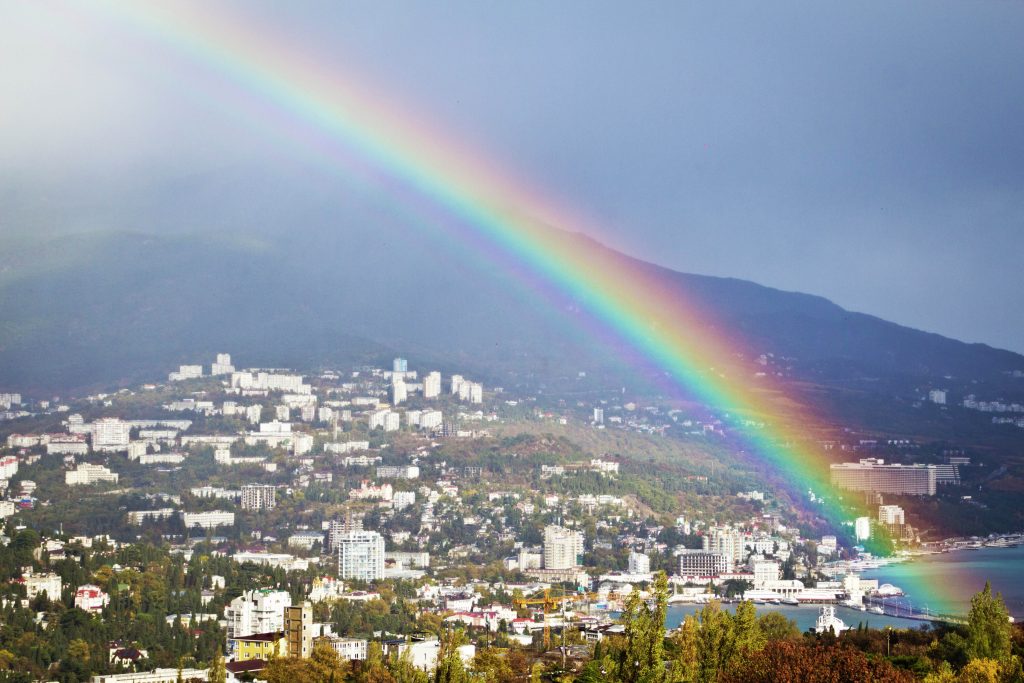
point(552, 604)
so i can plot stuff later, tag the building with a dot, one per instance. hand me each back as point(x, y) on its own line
point(398, 472)
point(186, 372)
point(399, 392)
point(639, 563)
point(431, 420)
point(872, 474)
point(110, 434)
point(259, 646)
point(385, 419)
point(257, 611)
point(701, 563)
point(360, 555)
point(432, 385)
point(947, 474)
point(91, 598)
point(259, 497)
point(891, 514)
point(563, 548)
point(70, 444)
point(347, 648)
point(862, 528)
point(208, 520)
point(137, 517)
point(86, 474)
point(728, 543)
point(298, 630)
point(8, 466)
point(37, 584)
point(400, 365)
point(222, 366)
point(155, 676)
point(766, 572)
point(937, 396)
point(598, 416)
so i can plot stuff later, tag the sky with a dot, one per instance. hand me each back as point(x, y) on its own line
point(869, 152)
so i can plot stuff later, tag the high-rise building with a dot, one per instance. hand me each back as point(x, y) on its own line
point(456, 381)
point(360, 555)
point(432, 385)
point(259, 497)
point(872, 474)
point(639, 563)
point(257, 611)
point(702, 563)
point(862, 528)
point(222, 366)
point(728, 543)
point(563, 548)
point(298, 630)
point(599, 416)
point(891, 514)
point(110, 434)
point(398, 391)
point(937, 396)
point(400, 365)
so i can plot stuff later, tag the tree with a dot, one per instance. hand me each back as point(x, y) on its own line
point(642, 659)
point(988, 627)
point(218, 671)
point(489, 665)
point(404, 671)
point(325, 665)
point(775, 626)
point(373, 670)
point(449, 667)
point(747, 637)
point(786, 661)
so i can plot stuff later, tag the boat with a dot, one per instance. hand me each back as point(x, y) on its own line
point(876, 610)
point(828, 621)
point(790, 601)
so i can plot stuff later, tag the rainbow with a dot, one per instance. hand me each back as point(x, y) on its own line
point(450, 185)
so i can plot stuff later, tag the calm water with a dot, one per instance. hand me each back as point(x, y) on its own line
point(804, 616)
point(960, 574)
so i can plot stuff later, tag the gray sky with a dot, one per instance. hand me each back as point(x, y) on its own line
point(869, 152)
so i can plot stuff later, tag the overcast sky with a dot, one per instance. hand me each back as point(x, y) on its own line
point(872, 153)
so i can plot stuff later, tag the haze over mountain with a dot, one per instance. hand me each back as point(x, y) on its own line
point(336, 278)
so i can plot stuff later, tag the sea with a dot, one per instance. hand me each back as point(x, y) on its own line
point(959, 573)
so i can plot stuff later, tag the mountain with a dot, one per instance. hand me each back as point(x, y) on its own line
point(100, 308)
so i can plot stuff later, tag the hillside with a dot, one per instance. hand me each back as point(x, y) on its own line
point(108, 307)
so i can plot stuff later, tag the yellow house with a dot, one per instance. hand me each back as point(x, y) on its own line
point(261, 646)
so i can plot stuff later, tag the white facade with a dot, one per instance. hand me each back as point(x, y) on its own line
point(399, 392)
point(360, 555)
point(726, 542)
point(8, 466)
point(432, 385)
point(639, 563)
point(431, 419)
point(563, 548)
point(89, 474)
point(862, 528)
point(891, 514)
point(110, 434)
point(91, 598)
point(222, 366)
point(37, 584)
point(208, 520)
point(256, 611)
point(259, 497)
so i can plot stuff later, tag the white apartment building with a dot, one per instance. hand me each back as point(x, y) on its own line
point(86, 474)
point(8, 466)
point(398, 472)
point(432, 385)
point(701, 563)
point(726, 542)
point(431, 419)
point(208, 520)
point(256, 611)
point(563, 548)
point(765, 572)
point(862, 528)
point(72, 444)
point(137, 517)
point(399, 392)
point(385, 419)
point(347, 648)
point(110, 434)
point(222, 366)
point(37, 584)
point(259, 497)
point(186, 372)
point(639, 563)
point(360, 555)
point(891, 514)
